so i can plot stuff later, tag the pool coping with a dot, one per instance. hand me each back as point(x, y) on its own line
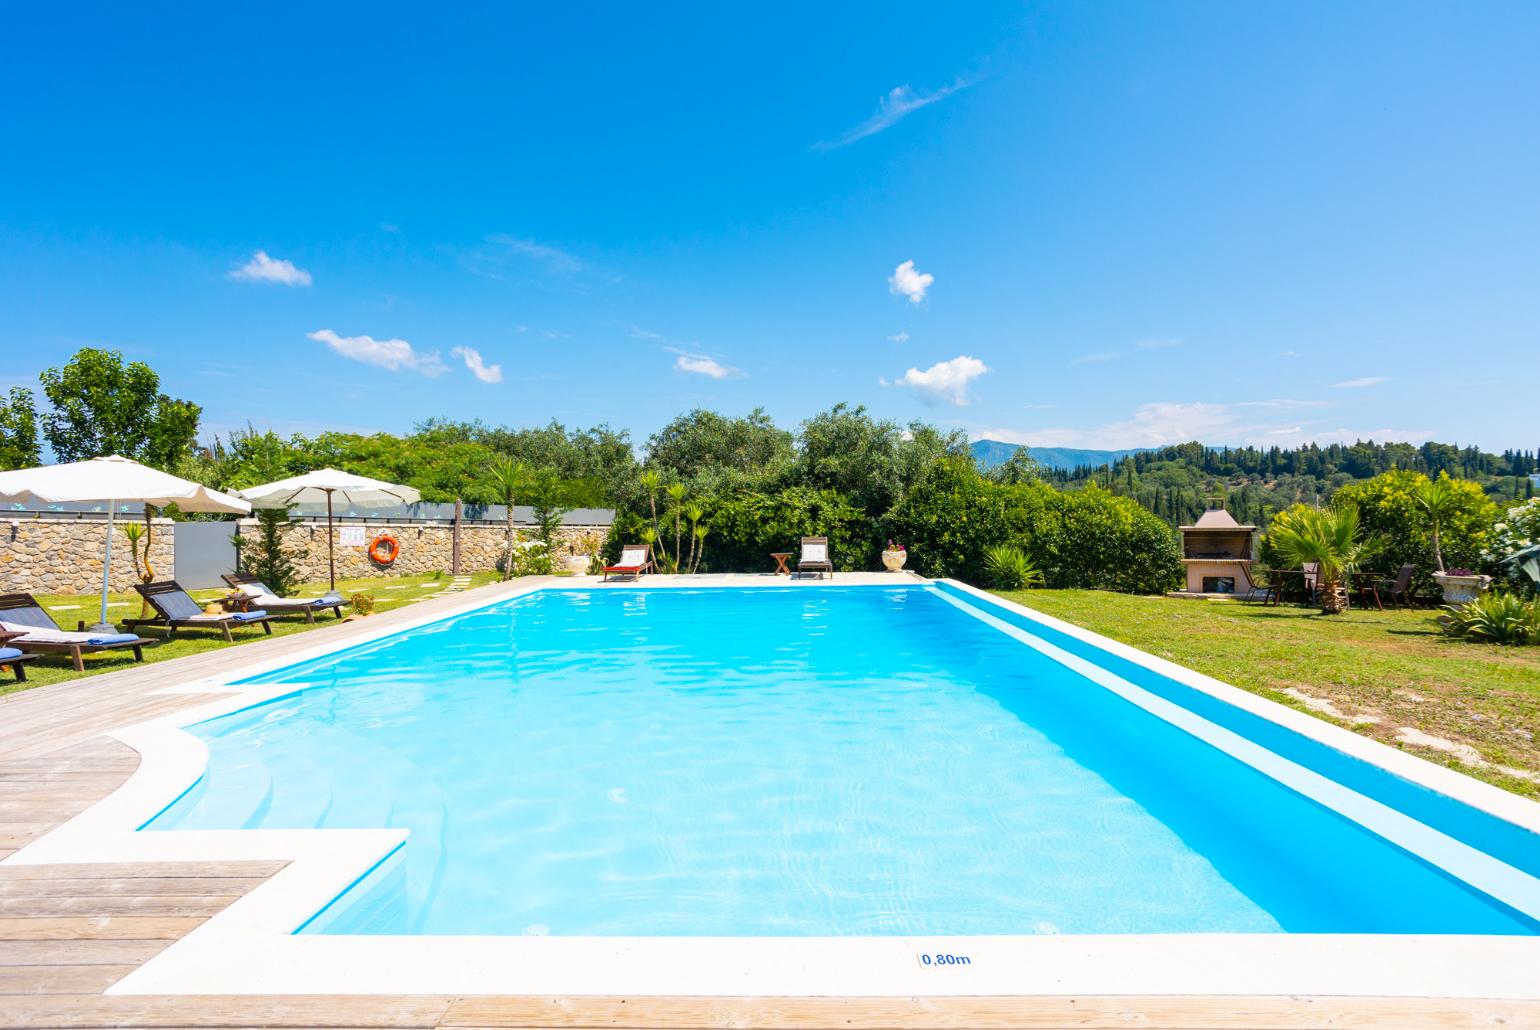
point(250, 947)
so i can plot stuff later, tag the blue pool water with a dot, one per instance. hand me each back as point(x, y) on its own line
point(830, 761)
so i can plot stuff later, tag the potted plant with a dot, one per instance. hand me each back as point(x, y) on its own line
point(1462, 586)
point(894, 556)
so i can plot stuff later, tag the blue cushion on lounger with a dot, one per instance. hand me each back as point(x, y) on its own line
point(248, 616)
point(7, 653)
point(111, 638)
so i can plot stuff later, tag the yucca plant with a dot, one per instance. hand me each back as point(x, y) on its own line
point(504, 478)
point(1438, 499)
point(1332, 539)
point(1495, 618)
point(1009, 568)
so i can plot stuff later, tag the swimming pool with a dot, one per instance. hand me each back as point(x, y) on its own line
point(843, 762)
point(706, 788)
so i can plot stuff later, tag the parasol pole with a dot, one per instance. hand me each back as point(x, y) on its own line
point(331, 557)
point(102, 625)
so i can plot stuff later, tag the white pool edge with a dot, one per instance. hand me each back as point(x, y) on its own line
point(250, 948)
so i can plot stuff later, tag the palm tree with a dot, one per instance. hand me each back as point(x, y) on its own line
point(1438, 498)
point(694, 512)
point(1329, 537)
point(504, 478)
point(676, 494)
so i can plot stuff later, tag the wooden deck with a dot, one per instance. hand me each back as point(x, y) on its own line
point(67, 932)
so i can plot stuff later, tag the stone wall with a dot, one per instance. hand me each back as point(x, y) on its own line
point(58, 556)
point(64, 556)
point(425, 547)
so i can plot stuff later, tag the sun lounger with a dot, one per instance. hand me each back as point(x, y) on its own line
point(260, 596)
point(175, 609)
point(635, 559)
point(815, 556)
point(39, 634)
point(12, 657)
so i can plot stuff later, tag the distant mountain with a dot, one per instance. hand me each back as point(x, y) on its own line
point(991, 453)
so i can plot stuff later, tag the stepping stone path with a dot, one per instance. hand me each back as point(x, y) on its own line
point(458, 584)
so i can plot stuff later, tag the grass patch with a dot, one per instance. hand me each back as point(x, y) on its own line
point(1377, 673)
point(68, 609)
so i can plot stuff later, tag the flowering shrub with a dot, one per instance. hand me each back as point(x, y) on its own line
point(1516, 530)
point(530, 558)
point(894, 545)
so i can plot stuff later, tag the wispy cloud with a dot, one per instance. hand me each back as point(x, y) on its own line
point(1160, 423)
point(1359, 384)
point(906, 282)
point(501, 254)
point(899, 338)
point(394, 355)
point(636, 332)
point(479, 368)
point(894, 106)
point(264, 269)
point(1104, 357)
point(945, 381)
point(700, 364)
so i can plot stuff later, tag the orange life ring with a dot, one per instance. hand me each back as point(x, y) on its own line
point(384, 549)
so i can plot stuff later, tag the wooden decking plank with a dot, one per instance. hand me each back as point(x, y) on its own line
point(96, 927)
point(223, 1011)
point(60, 979)
point(143, 886)
point(1038, 1013)
point(169, 905)
point(141, 870)
point(78, 952)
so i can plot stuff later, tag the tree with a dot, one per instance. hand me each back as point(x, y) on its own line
point(1438, 499)
point(714, 452)
point(1021, 467)
point(503, 479)
point(263, 458)
point(101, 406)
point(1329, 537)
point(545, 500)
point(18, 431)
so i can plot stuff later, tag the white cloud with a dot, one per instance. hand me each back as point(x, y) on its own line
point(905, 281)
point(945, 380)
point(480, 369)
point(263, 269)
point(1359, 384)
point(899, 338)
point(1169, 422)
point(394, 355)
point(895, 105)
point(700, 364)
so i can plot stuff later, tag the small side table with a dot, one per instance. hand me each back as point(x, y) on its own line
point(236, 603)
point(781, 568)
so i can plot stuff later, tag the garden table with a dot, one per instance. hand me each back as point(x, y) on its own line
point(781, 568)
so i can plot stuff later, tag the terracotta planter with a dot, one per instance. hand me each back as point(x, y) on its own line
point(894, 560)
point(1461, 589)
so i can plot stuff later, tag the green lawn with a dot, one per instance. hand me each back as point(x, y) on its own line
point(1380, 673)
point(68, 609)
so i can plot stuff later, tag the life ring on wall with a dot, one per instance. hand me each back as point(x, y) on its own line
point(384, 549)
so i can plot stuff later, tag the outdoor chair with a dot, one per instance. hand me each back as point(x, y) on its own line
point(175, 609)
point(1267, 593)
point(635, 559)
point(36, 632)
point(815, 556)
point(259, 596)
point(1399, 589)
point(1312, 580)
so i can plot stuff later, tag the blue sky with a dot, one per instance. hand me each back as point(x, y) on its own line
point(1101, 225)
